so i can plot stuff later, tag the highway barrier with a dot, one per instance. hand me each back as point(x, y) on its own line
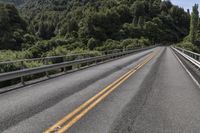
point(194, 58)
point(63, 67)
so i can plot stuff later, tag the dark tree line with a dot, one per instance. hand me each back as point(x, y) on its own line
point(90, 24)
point(192, 41)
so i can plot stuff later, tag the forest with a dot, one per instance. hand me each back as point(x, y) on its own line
point(40, 28)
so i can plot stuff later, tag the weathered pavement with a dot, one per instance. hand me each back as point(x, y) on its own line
point(159, 98)
point(172, 106)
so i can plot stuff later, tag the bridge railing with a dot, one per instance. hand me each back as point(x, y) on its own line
point(63, 67)
point(194, 58)
point(194, 55)
point(21, 64)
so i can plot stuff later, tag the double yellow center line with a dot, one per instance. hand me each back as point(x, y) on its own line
point(69, 120)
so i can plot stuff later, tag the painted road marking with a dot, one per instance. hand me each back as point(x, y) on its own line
point(69, 120)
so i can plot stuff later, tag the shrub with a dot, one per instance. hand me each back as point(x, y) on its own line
point(110, 45)
point(189, 46)
point(135, 43)
point(92, 43)
point(10, 56)
point(127, 42)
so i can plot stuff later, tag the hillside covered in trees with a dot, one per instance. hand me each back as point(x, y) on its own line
point(192, 41)
point(54, 27)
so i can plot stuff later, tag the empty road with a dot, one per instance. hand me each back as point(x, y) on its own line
point(146, 92)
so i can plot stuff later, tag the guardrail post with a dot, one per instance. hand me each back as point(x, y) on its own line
point(124, 49)
point(95, 61)
point(22, 78)
point(197, 57)
point(22, 67)
point(46, 63)
point(79, 65)
point(64, 60)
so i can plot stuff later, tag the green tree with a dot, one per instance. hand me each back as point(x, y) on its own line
point(12, 28)
point(194, 23)
point(92, 43)
point(141, 22)
point(165, 5)
point(151, 31)
point(138, 8)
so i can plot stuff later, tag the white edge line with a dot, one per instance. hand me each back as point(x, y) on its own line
point(193, 78)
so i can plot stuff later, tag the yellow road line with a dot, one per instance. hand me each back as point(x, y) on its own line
point(82, 106)
point(79, 116)
point(92, 102)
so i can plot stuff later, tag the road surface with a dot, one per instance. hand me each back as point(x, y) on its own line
point(148, 92)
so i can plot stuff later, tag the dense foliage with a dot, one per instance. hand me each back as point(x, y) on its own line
point(192, 41)
point(46, 25)
point(194, 24)
point(108, 19)
point(12, 26)
point(16, 2)
point(40, 28)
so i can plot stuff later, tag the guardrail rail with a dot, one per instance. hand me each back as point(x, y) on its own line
point(50, 60)
point(63, 66)
point(194, 58)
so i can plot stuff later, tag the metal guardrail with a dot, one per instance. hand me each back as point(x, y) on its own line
point(189, 55)
point(55, 57)
point(194, 55)
point(62, 58)
point(20, 64)
point(47, 68)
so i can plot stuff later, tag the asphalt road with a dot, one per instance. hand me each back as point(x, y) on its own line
point(158, 98)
